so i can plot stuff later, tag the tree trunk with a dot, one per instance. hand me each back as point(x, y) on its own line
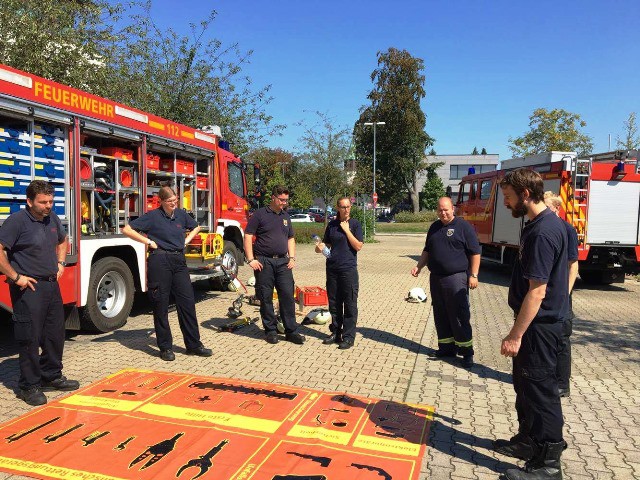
point(413, 194)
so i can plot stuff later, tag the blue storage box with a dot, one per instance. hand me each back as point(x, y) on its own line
point(49, 151)
point(7, 207)
point(13, 166)
point(48, 129)
point(14, 146)
point(15, 133)
point(14, 187)
point(60, 209)
point(48, 170)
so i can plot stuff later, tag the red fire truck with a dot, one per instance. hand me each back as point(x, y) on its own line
point(107, 161)
point(600, 198)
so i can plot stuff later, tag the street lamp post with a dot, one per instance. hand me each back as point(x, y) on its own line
point(374, 196)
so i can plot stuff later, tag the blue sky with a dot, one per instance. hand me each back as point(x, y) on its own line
point(488, 64)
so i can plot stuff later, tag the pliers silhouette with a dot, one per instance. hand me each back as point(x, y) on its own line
point(203, 461)
point(156, 452)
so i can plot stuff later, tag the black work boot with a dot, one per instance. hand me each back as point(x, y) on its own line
point(519, 446)
point(545, 465)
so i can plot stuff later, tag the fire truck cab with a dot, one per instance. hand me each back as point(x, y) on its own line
point(106, 162)
point(601, 199)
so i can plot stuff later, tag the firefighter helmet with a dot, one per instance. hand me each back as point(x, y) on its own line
point(319, 316)
point(416, 295)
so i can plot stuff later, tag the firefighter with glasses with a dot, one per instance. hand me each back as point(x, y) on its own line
point(167, 271)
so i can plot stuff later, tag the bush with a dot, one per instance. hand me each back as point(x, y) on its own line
point(303, 231)
point(409, 217)
point(367, 222)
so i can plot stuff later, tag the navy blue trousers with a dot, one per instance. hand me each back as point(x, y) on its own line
point(536, 384)
point(342, 292)
point(275, 274)
point(452, 312)
point(38, 318)
point(167, 274)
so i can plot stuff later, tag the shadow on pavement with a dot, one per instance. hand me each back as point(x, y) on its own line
point(610, 336)
point(464, 446)
point(480, 370)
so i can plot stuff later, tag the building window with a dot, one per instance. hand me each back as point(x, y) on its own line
point(456, 172)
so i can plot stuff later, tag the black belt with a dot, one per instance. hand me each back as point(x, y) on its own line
point(162, 250)
point(274, 256)
point(50, 278)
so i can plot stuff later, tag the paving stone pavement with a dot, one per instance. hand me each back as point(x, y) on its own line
point(390, 361)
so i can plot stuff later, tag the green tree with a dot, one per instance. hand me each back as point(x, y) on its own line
point(432, 151)
point(117, 51)
point(631, 139)
point(484, 151)
point(191, 80)
point(325, 150)
point(475, 151)
point(433, 188)
point(552, 130)
point(402, 142)
point(65, 41)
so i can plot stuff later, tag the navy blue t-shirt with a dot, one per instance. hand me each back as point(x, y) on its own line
point(449, 246)
point(543, 258)
point(31, 244)
point(343, 256)
point(272, 231)
point(572, 246)
point(168, 232)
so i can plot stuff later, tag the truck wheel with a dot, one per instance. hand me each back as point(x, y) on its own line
point(229, 262)
point(110, 298)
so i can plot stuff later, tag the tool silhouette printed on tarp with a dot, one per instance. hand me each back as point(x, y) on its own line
point(380, 471)
point(156, 452)
point(93, 438)
point(203, 462)
point(56, 436)
point(299, 477)
point(228, 387)
point(122, 445)
point(17, 436)
point(323, 461)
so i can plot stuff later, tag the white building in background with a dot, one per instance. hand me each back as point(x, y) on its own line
point(457, 166)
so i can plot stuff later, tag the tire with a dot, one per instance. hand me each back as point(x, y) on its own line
point(110, 297)
point(230, 262)
point(595, 277)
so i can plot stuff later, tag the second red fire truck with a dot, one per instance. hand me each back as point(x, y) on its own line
point(106, 162)
point(600, 197)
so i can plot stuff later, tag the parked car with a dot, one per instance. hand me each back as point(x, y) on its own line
point(301, 217)
point(318, 217)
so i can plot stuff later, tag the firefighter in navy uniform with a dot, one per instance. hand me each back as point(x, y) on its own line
point(452, 254)
point(553, 202)
point(36, 244)
point(167, 272)
point(539, 297)
point(272, 259)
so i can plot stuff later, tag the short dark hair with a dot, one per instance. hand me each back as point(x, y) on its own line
point(341, 199)
point(525, 179)
point(280, 190)
point(39, 187)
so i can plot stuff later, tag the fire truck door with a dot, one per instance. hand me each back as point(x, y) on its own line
point(613, 213)
point(506, 229)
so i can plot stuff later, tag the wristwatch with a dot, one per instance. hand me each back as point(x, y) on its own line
point(249, 261)
point(473, 275)
point(63, 263)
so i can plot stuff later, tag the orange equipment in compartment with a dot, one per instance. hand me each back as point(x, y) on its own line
point(117, 152)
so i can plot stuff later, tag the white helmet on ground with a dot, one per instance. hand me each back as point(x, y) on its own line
point(319, 316)
point(252, 281)
point(416, 295)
